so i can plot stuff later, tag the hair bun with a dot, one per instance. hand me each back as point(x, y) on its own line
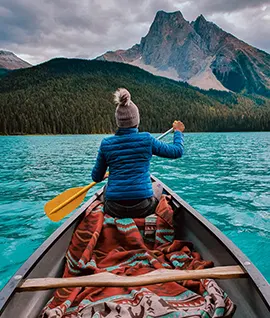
point(122, 97)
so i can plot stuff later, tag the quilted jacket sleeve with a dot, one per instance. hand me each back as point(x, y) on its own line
point(174, 151)
point(100, 167)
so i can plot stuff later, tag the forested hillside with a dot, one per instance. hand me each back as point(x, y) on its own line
point(75, 96)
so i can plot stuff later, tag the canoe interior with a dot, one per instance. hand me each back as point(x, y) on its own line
point(242, 291)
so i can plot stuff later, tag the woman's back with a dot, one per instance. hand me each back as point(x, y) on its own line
point(128, 154)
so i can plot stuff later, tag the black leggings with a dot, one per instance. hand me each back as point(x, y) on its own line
point(139, 210)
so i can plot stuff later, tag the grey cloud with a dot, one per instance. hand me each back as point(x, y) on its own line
point(213, 6)
point(23, 13)
point(41, 29)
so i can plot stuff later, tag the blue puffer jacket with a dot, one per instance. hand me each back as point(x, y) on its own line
point(128, 154)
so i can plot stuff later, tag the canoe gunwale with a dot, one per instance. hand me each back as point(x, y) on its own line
point(257, 278)
point(10, 288)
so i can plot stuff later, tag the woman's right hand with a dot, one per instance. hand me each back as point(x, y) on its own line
point(178, 125)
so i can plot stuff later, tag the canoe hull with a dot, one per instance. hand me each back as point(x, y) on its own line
point(251, 295)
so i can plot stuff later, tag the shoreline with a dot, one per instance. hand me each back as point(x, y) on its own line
point(111, 133)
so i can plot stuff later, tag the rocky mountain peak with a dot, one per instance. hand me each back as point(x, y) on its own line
point(199, 23)
point(10, 61)
point(167, 40)
point(6, 52)
point(162, 16)
point(167, 20)
point(201, 17)
point(212, 35)
point(200, 53)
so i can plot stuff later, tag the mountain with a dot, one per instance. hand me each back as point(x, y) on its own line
point(9, 61)
point(75, 96)
point(200, 53)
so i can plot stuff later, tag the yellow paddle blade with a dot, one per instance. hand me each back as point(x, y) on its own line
point(66, 202)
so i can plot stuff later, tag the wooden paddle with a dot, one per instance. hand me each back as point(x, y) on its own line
point(111, 280)
point(66, 202)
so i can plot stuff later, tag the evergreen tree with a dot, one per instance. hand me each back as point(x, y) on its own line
point(65, 96)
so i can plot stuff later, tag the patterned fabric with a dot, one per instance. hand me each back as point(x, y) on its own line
point(128, 247)
point(150, 225)
point(128, 154)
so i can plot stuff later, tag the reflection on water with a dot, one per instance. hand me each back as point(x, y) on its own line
point(225, 176)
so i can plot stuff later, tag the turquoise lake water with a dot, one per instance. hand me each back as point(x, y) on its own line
point(225, 176)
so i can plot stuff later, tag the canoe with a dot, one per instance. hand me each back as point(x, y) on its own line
point(251, 294)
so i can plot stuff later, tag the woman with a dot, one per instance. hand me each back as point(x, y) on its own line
point(129, 191)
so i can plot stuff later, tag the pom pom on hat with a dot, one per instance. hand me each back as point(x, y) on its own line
point(122, 97)
point(127, 113)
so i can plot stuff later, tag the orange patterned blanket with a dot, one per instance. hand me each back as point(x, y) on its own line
point(134, 247)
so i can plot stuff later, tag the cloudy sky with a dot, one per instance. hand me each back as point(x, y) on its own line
point(38, 30)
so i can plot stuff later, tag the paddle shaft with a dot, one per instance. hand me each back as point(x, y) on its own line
point(165, 134)
point(106, 279)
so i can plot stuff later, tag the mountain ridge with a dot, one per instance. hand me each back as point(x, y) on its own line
point(200, 53)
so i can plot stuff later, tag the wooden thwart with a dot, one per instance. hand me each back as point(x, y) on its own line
point(111, 280)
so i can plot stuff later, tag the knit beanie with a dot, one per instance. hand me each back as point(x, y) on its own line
point(127, 113)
